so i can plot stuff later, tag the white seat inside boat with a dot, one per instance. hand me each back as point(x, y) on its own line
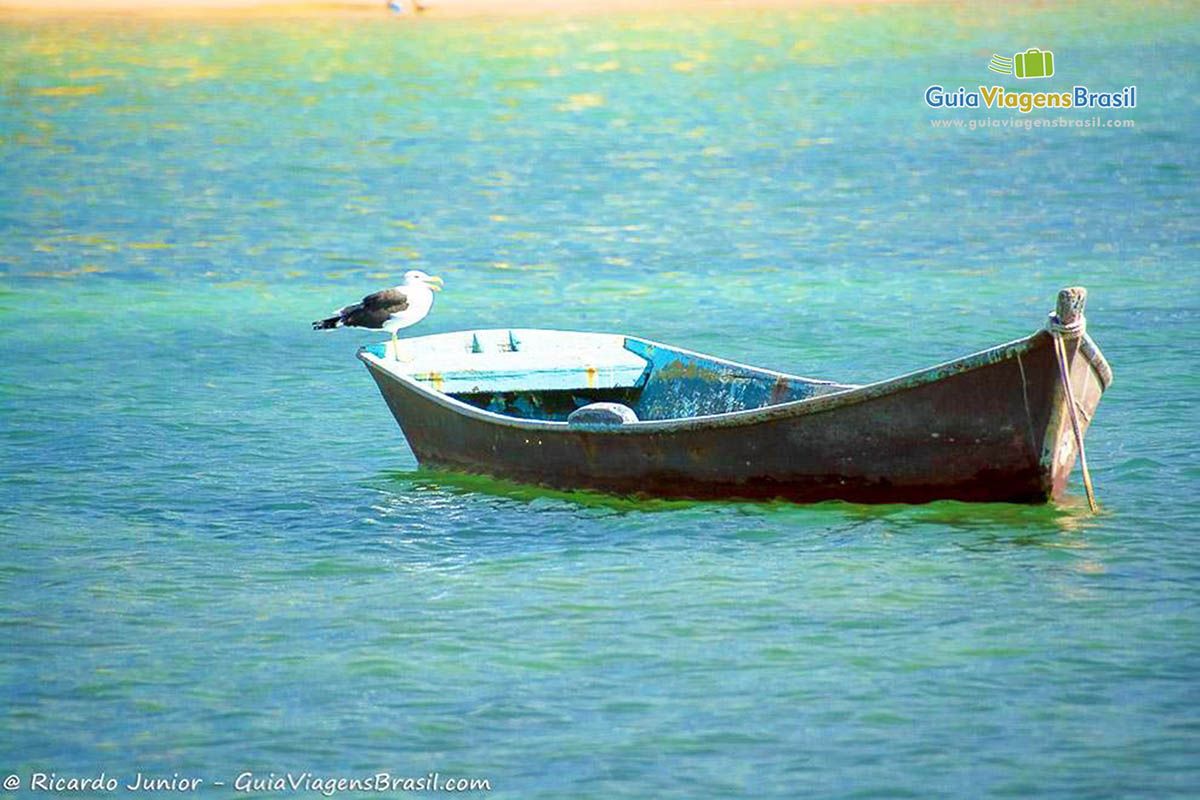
point(504, 360)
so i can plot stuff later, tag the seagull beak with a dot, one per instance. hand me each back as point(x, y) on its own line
point(434, 283)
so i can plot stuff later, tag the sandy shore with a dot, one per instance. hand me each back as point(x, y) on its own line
point(433, 9)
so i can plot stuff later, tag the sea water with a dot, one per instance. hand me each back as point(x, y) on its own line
point(221, 560)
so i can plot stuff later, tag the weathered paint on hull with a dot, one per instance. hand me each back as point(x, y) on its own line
point(989, 429)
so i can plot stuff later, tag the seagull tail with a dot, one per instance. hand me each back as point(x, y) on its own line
point(327, 323)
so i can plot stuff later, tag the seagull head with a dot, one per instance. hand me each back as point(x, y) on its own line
point(415, 277)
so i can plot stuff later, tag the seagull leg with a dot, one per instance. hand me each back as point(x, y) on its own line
point(396, 350)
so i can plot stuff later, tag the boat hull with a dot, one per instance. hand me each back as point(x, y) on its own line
point(989, 427)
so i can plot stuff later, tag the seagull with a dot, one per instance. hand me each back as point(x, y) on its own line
point(390, 309)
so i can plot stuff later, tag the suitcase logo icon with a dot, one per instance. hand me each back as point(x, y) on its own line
point(1033, 63)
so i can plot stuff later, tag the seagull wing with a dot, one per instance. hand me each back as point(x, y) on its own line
point(394, 300)
point(371, 312)
point(375, 309)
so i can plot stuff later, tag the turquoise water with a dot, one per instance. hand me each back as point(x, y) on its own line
point(220, 557)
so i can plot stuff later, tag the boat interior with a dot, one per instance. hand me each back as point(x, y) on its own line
point(562, 376)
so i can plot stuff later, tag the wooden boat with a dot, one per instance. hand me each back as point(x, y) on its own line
point(626, 415)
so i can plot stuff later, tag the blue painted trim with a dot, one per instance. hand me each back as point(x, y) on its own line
point(683, 384)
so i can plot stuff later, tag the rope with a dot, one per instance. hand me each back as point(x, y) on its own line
point(1060, 352)
point(1074, 329)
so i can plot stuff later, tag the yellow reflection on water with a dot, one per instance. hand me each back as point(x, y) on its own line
point(67, 91)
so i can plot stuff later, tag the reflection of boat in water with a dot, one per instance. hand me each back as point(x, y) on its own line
point(622, 414)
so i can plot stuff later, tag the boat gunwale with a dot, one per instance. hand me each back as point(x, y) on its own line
point(744, 417)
